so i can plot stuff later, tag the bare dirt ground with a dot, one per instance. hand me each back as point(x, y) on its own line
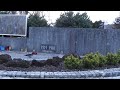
point(39, 56)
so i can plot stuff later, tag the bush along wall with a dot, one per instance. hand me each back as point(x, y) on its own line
point(72, 62)
point(92, 60)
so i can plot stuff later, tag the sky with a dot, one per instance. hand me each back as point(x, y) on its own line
point(106, 16)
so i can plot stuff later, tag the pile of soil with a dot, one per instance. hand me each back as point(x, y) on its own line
point(50, 68)
point(47, 68)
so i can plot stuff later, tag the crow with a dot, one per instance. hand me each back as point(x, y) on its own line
point(29, 55)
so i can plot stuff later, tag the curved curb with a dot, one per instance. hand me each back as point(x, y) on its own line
point(113, 72)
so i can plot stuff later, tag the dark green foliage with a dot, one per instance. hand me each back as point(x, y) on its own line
point(82, 21)
point(5, 58)
point(102, 61)
point(75, 55)
point(89, 61)
point(18, 63)
point(118, 56)
point(111, 59)
point(65, 20)
point(94, 60)
point(72, 62)
point(97, 24)
point(68, 19)
point(34, 20)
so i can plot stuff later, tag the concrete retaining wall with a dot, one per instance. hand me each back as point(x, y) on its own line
point(67, 40)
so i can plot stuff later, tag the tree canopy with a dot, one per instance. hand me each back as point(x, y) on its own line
point(69, 19)
point(97, 24)
point(35, 20)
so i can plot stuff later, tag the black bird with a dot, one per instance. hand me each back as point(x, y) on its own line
point(29, 55)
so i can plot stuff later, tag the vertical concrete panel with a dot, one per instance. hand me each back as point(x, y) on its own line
point(117, 40)
point(80, 42)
